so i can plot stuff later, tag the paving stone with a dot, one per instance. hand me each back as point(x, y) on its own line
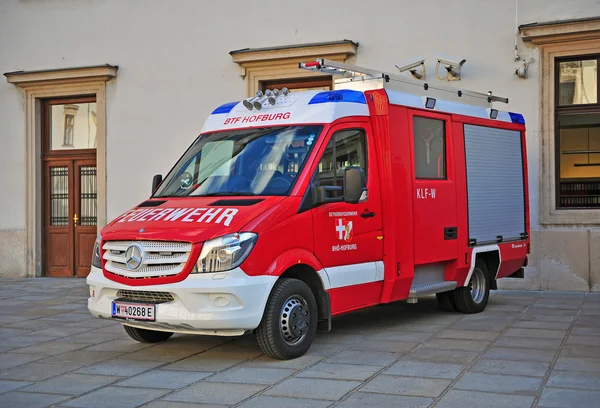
point(172, 380)
point(82, 357)
point(71, 384)
point(392, 335)
point(363, 357)
point(416, 327)
point(400, 347)
point(432, 355)
point(540, 334)
point(7, 332)
point(517, 354)
point(92, 338)
point(207, 362)
point(297, 363)
point(263, 401)
point(163, 354)
point(454, 344)
point(507, 384)
point(338, 338)
point(467, 335)
point(534, 324)
point(50, 348)
point(547, 318)
point(340, 371)
point(25, 341)
point(325, 349)
point(411, 386)
point(172, 404)
point(17, 399)
point(462, 399)
point(61, 331)
point(527, 368)
point(370, 400)
point(120, 367)
point(560, 398)
point(216, 393)
point(570, 379)
point(409, 368)
point(532, 343)
point(7, 385)
point(577, 350)
point(586, 331)
point(9, 360)
point(313, 388)
point(36, 371)
point(252, 375)
point(591, 365)
point(583, 340)
point(116, 397)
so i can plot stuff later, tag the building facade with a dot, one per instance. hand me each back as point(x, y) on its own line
point(100, 96)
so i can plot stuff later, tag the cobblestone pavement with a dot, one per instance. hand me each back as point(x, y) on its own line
point(527, 349)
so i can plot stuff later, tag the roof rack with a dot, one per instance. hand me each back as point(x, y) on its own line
point(355, 74)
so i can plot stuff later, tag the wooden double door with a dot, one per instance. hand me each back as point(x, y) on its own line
point(69, 190)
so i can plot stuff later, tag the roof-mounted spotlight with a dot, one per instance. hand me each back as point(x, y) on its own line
point(412, 68)
point(453, 68)
point(429, 102)
point(493, 113)
point(258, 104)
point(249, 103)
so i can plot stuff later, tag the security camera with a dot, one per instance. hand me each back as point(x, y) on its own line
point(412, 68)
point(453, 68)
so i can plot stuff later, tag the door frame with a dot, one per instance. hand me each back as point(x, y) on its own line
point(38, 85)
point(69, 158)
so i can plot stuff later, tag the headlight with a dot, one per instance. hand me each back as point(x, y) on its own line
point(96, 254)
point(225, 253)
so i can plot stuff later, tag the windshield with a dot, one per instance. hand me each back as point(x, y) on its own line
point(262, 161)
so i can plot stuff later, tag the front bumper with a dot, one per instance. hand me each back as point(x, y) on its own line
point(226, 303)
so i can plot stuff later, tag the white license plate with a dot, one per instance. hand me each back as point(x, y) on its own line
point(134, 311)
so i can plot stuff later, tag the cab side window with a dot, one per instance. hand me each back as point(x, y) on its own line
point(430, 148)
point(346, 148)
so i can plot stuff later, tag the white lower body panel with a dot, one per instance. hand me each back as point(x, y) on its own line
point(226, 303)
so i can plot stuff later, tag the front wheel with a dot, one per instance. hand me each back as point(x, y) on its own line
point(474, 297)
point(289, 323)
point(147, 336)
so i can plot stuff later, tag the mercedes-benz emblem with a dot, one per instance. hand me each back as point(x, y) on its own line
point(134, 256)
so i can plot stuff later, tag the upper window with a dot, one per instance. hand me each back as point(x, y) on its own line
point(71, 125)
point(578, 82)
point(346, 148)
point(578, 133)
point(430, 148)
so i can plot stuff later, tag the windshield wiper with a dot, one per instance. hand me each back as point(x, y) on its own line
point(226, 194)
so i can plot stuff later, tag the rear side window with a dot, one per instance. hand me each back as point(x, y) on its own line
point(430, 148)
point(346, 148)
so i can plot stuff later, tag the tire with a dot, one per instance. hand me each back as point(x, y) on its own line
point(445, 301)
point(289, 299)
point(474, 297)
point(147, 336)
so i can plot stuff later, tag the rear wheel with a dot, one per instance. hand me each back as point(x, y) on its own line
point(289, 323)
point(147, 336)
point(474, 297)
point(446, 302)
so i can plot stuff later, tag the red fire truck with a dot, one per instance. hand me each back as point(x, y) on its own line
point(291, 208)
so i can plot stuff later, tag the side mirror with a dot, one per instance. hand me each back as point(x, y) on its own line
point(354, 184)
point(156, 180)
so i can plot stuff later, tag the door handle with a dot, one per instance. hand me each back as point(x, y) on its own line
point(368, 214)
point(75, 220)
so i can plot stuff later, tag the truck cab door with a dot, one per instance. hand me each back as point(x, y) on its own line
point(348, 238)
point(434, 189)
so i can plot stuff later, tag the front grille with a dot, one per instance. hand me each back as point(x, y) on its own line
point(159, 258)
point(144, 296)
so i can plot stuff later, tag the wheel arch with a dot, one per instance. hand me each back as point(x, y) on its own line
point(490, 255)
